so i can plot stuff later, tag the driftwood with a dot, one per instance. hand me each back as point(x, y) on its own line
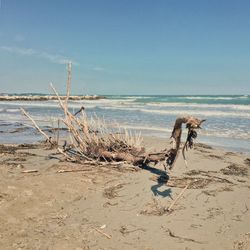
point(29, 171)
point(71, 170)
point(192, 123)
point(101, 232)
point(92, 141)
point(178, 197)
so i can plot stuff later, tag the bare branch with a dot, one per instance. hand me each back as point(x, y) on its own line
point(35, 125)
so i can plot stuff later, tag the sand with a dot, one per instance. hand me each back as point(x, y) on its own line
point(124, 207)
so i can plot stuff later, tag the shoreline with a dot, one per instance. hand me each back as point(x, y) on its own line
point(22, 136)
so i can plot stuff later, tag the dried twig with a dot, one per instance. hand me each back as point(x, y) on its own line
point(178, 197)
point(68, 85)
point(171, 234)
point(29, 171)
point(58, 132)
point(80, 110)
point(71, 170)
point(106, 235)
point(35, 125)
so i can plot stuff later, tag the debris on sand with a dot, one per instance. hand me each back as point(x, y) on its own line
point(230, 153)
point(198, 172)
point(124, 230)
point(201, 145)
point(234, 169)
point(214, 212)
point(12, 148)
point(107, 204)
point(14, 159)
point(213, 156)
point(195, 183)
point(29, 171)
point(101, 232)
point(182, 239)
point(154, 208)
point(112, 192)
point(218, 190)
point(243, 243)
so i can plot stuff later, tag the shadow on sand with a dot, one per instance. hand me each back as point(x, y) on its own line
point(162, 180)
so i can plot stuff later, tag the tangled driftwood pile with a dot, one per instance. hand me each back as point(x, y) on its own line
point(91, 141)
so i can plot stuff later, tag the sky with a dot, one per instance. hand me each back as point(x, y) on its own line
point(126, 46)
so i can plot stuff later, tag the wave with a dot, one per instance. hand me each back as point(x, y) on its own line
point(122, 105)
point(205, 113)
point(12, 110)
point(212, 97)
point(3, 110)
point(150, 128)
point(75, 103)
point(244, 97)
point(199, 105)
point(198, 112)
point(42, 105)
point(206, 110)
point(166, 131)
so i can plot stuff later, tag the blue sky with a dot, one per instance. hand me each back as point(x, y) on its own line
point(126, 46)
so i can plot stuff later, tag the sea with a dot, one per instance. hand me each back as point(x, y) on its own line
point(227, 117)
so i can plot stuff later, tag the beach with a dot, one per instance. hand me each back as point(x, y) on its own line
point(43, 205)
point(124, 125)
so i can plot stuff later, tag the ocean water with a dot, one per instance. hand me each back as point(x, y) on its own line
point(227, 117)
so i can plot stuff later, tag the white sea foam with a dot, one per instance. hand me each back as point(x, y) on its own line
point(199, 105)
point(12, 110)
point(152, 128)
point(207, 110)
point(120, 108)
point(114, 104)
point(198, 112)
point(208, 97)
point(42, 105)
point(206, 113)
point(225, 133)
point(138, 97)
point(31, 104)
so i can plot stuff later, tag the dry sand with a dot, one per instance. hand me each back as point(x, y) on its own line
point(125, 207)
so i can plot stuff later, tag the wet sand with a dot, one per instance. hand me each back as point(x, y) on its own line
point(124, 207)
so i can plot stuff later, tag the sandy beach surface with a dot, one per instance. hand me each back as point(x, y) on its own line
point(123, 207)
